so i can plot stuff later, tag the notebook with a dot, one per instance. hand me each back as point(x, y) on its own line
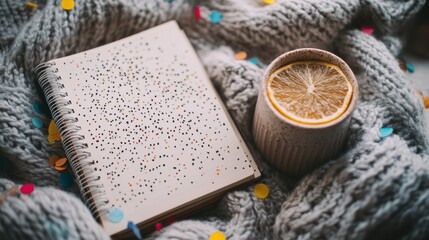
point(144, 129)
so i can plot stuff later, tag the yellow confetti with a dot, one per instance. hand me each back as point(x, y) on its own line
point(218, 235)
point(269, 1)
point(52, 130)
point(32, 4)
point(53, 133)
point(67, 4)
point(240, 55)
point(261, 190)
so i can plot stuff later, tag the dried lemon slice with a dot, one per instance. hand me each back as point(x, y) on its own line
point(310, 92)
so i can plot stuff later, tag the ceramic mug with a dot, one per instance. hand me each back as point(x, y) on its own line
point(292, 147)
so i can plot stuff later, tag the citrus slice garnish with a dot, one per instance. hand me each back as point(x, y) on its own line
point(310, 92)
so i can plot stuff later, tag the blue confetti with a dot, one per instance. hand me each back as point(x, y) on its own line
point(37, 107)
point(66, 179)
point(215, 16)
point(37, 122)
point(410, 67)
point(385, 132)
point(116, 215)
point(254, 60)
point(169, 1)
point(135, 230)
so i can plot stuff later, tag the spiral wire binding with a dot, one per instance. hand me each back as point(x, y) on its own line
point(91, 190)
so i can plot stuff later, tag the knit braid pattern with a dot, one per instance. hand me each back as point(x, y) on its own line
point(375, 189)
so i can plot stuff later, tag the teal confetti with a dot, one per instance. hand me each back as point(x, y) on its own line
point(37, 122)
point(116, 215)
point(215, 16)
point(37, 107)
point(135, 230)
point(385, 132)
point(66, 179)
point(254, 60)
point(410, 67)
point(169, 1)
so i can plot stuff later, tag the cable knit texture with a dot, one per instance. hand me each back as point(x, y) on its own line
point(375, 189)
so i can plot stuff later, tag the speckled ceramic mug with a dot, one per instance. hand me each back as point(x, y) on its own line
point(292, 147)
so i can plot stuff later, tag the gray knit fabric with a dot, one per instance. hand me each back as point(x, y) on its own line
point(375, 189)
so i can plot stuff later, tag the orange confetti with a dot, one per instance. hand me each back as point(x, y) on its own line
point(240, 55)
point(60, 162)
point(61, 168)
point(52, 160)
point(426, 102)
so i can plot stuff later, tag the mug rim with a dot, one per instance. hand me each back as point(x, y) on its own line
point(342, 65)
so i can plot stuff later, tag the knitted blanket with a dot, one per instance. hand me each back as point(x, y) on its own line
point(377, 188)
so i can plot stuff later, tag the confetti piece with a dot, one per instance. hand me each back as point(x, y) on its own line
point(215, 16)
point(254, 60)
point(158, 226)
point(269, 1)
point(402, 65)
point(53, 133)
point(171, 220)
point(66, 179)
point(116, 215)
point(32, 4)
point(135, 230)
point(240, 55)
point(169, 1)
point(426, 102)
point(37, 122)
point(367, 29)
point(52, 160)
point(52, 130)
point(410, 67)
point(60, 162)
point(261, 190)
point(197, 12)
point(218, 235)
point(67, 4)
point(37, 107)
point(53, 139)
point(62, 168)
point(27, 188)
point(385, 132)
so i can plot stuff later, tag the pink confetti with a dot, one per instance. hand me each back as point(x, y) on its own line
point(171, 220)
point(158, 226)
point(367, 29)
point(27, 188)
point(197, 12)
